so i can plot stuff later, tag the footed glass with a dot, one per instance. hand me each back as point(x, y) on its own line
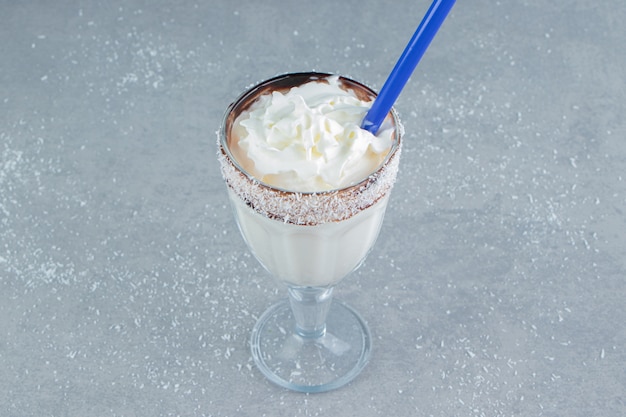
point(310, 242)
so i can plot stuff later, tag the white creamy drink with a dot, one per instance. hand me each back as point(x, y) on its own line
point(309, 187)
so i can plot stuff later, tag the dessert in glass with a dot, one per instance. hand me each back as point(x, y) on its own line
point(309, 190)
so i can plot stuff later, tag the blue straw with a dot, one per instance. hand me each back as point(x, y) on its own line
point(406, 64)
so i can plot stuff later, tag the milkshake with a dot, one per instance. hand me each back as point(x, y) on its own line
point(309, 189)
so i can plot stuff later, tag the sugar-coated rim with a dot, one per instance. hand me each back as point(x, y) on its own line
point(305, 208)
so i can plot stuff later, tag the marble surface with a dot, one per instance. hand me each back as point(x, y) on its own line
point(496, 287)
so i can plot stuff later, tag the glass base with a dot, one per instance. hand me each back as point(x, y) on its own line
point(311, 364)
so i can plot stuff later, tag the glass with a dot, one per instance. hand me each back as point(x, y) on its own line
point(309, 242)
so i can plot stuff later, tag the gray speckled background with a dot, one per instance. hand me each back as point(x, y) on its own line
point(496, 287)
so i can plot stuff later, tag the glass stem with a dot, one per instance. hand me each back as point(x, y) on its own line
point(310, 307)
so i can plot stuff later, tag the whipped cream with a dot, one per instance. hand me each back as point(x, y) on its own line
point(309, 139)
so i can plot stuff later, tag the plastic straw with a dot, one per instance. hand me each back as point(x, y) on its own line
point(406, 64)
